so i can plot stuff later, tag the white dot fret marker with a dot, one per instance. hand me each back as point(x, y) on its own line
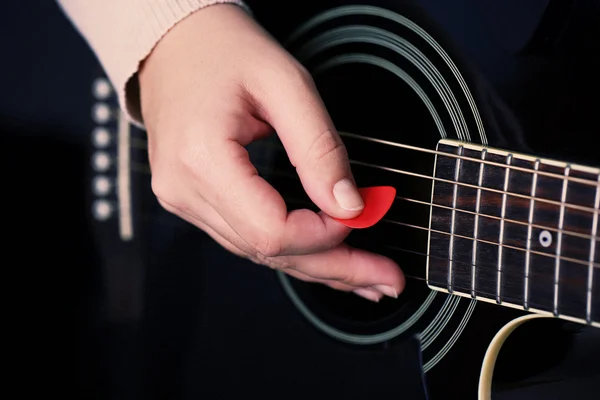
point(545, 238)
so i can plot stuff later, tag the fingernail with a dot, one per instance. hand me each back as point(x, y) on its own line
point(368, 294)
point(347, 196)
point(386, 290)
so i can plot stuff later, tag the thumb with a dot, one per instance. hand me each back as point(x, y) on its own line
point(296, 111)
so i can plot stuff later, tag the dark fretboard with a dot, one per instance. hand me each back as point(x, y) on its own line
point(516, 230)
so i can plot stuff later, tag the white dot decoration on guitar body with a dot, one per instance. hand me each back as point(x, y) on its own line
point(102, 185)
point(102, 210)
point(102, 113)
point(101, 137)
point(101, 88)
point(101, 161)
point(545, 238)
point(111, 142)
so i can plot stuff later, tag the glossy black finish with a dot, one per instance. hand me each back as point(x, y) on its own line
point(202, 333)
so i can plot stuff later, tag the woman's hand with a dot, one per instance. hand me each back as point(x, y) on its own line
point(216, 82)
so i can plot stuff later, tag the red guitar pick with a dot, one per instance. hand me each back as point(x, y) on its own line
point(378, 200)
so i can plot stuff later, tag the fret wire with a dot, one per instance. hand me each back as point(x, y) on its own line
point(417, 175)
point(563, 258)
point(476, 227)
point(492, 163)
point(529, 232)
point(590, 282)
point(561, 221)
point(452, 221)
point(501, 234)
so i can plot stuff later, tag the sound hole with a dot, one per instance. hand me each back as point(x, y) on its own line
point(367, 100)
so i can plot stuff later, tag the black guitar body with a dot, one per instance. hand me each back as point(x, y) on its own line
point(205, 323)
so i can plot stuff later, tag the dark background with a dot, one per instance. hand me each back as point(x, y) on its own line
point(54, 275)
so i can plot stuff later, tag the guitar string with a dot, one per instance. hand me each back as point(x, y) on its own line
point(145, 169)
point(492, 267)
point(469, 289)
point(463, 184)
point(460, 288)
point(552, 256)
point(511, 221)
point(510, 167)
point(153, 219)
point(142, 143)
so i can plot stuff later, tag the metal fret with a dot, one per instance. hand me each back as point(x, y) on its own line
point(536, 167)
point(452, 221)
point(476, 227)
point(501, 235)
point(561, 221)
point(530, 273)
point(590, 282)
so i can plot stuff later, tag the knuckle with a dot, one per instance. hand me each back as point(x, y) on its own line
point(267, 246)
point(164, 194)
point(165, 205)
point(327, 144)
point(345, 273)
point(275, 264)
point(160, 188)
point(347, 276)
point(303, 76)
point(296, 75)
point(297, 72)
point(190, 160)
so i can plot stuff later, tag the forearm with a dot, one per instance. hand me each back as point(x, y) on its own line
point(122, 33)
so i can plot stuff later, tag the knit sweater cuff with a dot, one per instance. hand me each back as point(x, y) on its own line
point(122, 33)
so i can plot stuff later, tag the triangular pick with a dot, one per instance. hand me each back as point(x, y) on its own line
point(378, 200)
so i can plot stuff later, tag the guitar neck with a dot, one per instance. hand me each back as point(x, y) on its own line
point(515, 230)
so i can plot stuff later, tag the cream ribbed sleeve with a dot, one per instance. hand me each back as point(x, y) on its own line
point(122, 33)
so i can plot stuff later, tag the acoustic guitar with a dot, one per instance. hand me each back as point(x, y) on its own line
point(490, 235)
